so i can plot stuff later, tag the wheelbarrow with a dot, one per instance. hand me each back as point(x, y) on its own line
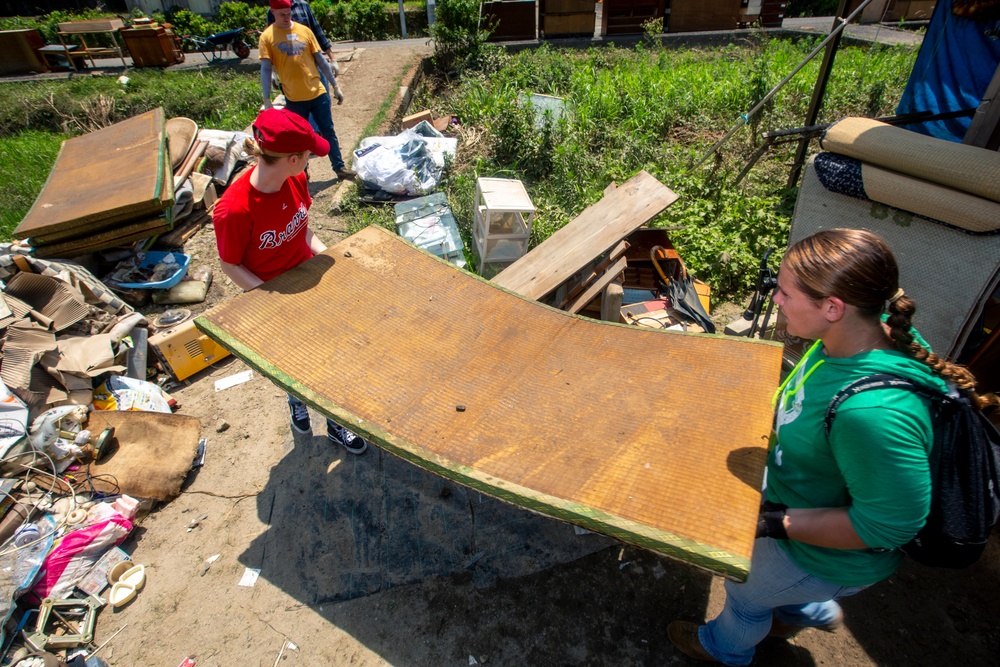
point(216, 45)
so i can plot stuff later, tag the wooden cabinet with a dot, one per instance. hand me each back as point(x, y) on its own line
point(563, 18)
point(695, 15)
point(515, 19)
point(625, 17)
point(152, 46)
point(772, 13)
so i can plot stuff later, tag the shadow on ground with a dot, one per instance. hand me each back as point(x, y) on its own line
point(422, 571)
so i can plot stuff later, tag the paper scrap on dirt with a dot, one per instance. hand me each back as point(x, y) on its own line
point(250, 576)
point(632, 432)
point(233, 380)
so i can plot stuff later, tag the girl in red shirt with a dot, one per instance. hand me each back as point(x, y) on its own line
point(261, 224)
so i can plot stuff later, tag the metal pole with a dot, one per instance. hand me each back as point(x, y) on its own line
point(402, 20)
point(819, 91)
point(745, 118)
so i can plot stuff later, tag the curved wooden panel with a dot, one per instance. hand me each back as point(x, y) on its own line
point(655, 438)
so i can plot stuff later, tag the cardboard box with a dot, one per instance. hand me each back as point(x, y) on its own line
point(415, 119)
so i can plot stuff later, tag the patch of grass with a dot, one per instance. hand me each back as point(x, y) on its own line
point(225, 99)
point(36, 116)
point(660, 110)
point(24, 165)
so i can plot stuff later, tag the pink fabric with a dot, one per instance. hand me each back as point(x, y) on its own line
point(76, 553)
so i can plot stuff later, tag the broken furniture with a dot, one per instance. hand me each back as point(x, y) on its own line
point(58, 57)
point(935, 203)
point(598, 424)
point(19, 52)
point(77, 30)
point(107, 188)
point(152, 45)
point(501, 226)
point(574, 265)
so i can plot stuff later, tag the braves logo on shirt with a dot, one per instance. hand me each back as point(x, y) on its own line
point(272, 238)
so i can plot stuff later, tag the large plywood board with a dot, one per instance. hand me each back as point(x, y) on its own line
point(656, 438)
point(113, 174)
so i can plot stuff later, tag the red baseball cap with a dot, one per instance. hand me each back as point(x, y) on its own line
point(281, 4)
point(280, 132)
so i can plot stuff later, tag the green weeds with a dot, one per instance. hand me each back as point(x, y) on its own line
point(24, 165)
point(660, 110)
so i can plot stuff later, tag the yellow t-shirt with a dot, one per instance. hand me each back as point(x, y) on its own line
point(292, 54)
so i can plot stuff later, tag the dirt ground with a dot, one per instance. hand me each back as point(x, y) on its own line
point(370, 561)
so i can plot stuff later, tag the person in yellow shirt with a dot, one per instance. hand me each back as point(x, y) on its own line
point(291, 50)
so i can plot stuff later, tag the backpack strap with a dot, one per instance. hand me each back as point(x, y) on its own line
point(877, 381)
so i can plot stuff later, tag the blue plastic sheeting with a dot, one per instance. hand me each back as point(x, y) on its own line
point(955, 65)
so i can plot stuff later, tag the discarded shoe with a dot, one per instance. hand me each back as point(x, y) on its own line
point(346, 174)
point(300, 417)
point(782, 630)
point(684, 636)
point(352, 442)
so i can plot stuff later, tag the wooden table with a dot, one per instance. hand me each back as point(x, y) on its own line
point(78, 29)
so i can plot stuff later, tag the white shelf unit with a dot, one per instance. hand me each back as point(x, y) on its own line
point(501, 229)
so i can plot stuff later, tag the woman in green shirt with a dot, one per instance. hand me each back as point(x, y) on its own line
point(838, 508)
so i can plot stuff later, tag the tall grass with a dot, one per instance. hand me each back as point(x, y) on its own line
point(660, 110)
point(36, 116)
point(24, 165)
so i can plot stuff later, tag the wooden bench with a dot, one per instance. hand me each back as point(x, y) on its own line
point(77, 29)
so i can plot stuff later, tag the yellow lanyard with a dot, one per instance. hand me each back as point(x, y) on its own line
point(795, 389)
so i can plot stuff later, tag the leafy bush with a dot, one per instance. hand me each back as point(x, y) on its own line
point(234, 15)
point(459, 38)
point(356, 20)
point(186, 22)
point(49, 23)
point(369, 21)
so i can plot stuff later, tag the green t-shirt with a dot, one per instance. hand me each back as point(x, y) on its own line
point(875, 461)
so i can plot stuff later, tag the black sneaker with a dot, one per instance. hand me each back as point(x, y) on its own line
point(352, 442)
point(300, 417)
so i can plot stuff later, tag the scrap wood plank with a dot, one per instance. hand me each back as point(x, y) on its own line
point(620, 212)
point(656, 438)
point(592, 273)
point(597, 286)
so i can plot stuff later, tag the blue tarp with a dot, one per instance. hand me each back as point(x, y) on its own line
point(955, 65)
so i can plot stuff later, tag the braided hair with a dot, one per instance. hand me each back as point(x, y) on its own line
point(858, 267)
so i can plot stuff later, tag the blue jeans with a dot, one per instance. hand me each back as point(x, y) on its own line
point(331, 426)
point(312, 121)
point(776, 585)
point(319, 107)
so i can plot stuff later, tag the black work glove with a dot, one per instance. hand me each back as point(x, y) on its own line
point(771, 520)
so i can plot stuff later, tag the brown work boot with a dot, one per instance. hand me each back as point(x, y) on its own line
point(684, 635)
point(346, 174)
point(782, 630)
